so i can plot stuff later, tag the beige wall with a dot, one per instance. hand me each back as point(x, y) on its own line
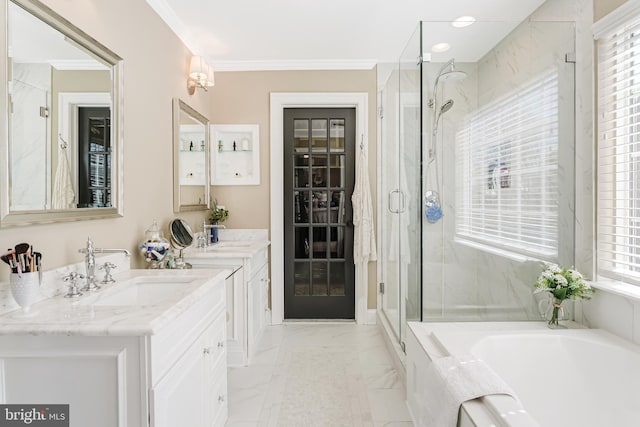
point(155, 68)
point(243, 98)
point(603, 7)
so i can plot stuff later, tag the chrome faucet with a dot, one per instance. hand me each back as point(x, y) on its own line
point(90, 262)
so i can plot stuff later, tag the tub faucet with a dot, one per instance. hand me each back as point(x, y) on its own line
point(90, 262)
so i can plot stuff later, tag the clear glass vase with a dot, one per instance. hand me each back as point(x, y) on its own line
point(554, 312)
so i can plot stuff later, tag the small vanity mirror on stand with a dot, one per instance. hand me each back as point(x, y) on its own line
point(181, 237)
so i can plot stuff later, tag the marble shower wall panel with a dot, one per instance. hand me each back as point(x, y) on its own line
point(463, 93)
point(460, 277)
point(29, 151)
point(580, 12)
point(499, 286)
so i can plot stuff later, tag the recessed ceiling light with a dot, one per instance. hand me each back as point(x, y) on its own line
point(463, 21)
point(440, 47)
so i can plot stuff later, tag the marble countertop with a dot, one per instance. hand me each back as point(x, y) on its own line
point(104, 313)
point(227, 249)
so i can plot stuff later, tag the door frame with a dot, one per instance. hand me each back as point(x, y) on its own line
point(278, 102)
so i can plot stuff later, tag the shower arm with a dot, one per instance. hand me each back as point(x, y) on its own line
point(432, 100)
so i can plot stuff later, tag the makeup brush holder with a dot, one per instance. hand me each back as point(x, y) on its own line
point(25, 289)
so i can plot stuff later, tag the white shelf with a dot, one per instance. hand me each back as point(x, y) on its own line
point(235, 167)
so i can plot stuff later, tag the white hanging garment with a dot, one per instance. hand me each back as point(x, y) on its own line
point(63, 196)
point(364, 239)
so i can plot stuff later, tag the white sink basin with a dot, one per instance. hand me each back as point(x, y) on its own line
point(142, 291)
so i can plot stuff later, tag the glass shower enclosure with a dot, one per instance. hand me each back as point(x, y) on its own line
point(476, 172)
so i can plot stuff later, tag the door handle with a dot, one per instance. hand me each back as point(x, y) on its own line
point(389, 196)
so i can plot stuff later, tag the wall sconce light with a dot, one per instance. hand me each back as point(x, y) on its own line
point(200, 75)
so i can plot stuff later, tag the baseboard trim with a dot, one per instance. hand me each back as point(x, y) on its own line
point(371, 317)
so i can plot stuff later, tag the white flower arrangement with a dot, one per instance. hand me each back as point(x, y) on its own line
point(563, 283)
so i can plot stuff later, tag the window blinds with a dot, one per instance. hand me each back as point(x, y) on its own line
point(619, 152)
point(507, 166)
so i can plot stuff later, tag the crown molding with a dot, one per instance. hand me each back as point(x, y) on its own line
point(293, 65)
point(168, 15)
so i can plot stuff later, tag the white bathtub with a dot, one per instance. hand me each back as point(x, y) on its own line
point(563, 378)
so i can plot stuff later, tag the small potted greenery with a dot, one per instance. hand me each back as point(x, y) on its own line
point(218, 215)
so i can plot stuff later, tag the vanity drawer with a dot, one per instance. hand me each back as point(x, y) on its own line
point(174, 339)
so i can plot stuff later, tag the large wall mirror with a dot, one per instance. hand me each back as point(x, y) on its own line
point(62, 99)
point(190, 158)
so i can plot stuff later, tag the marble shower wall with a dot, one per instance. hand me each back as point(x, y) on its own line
point(469, 282)
point(31, 89)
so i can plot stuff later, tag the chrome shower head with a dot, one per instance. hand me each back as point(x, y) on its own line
point(446, 107)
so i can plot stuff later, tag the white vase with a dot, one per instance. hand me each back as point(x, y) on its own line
point(25, 289)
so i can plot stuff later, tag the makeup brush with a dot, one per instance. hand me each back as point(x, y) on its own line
point(22, 248)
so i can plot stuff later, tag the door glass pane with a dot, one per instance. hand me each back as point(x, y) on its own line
point(337, 134)
point(320, 242)
point(319, 278)
point(301, 177)
point(319, 177)
point(336, 207)
point(302, 242)
point(337, 275)
point(97, 134)
point(319, 130)
point(301, 160)
point(301, 135)
point(301, 207)
point(320, 207)
point(336, 171)
point(336, 242)
point(301, 278)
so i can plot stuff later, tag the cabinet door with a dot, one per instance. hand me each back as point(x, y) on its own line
point(257, 307)
point(179, 399)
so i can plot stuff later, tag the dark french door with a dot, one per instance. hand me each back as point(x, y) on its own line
point(319, 164)
point(94, 157)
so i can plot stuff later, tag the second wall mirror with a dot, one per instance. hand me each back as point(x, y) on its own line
point(190, 158)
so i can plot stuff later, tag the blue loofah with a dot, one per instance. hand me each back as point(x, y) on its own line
point(433, 213)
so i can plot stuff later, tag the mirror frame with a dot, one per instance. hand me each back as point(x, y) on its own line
point(76, 35)
point(180, 106)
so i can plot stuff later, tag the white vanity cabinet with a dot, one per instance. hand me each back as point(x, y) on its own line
point(247, 294)
point(188, 367)
point(149, 365)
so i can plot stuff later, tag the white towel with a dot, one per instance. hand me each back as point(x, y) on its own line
point(63, 194)
point(451, 381)
point(364, 240)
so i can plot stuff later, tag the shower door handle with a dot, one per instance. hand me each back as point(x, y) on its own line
point(401, 201)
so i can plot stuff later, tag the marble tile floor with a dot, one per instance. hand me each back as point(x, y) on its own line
point(318, 375)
